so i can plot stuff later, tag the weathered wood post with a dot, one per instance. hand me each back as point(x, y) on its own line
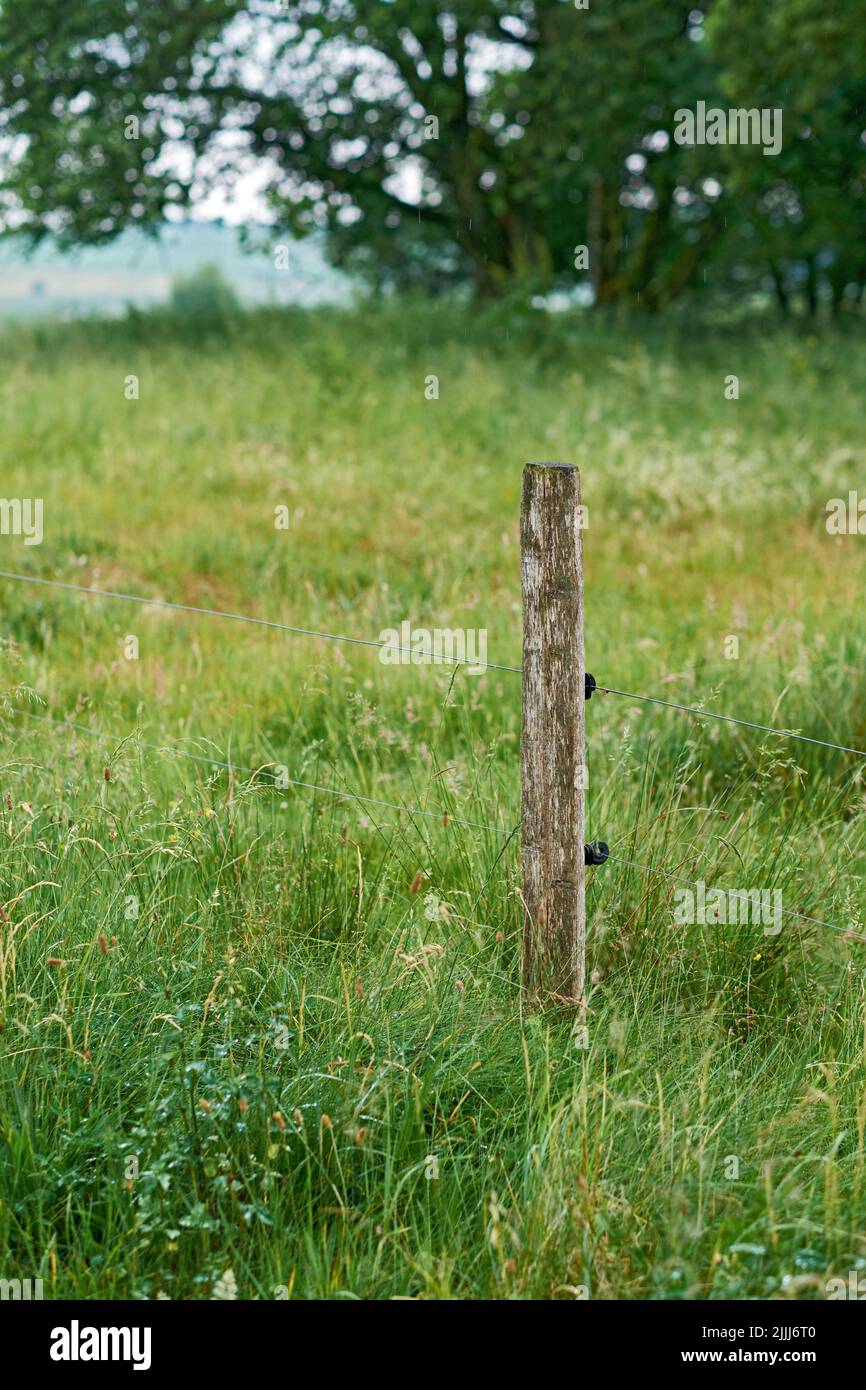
point(552, 741)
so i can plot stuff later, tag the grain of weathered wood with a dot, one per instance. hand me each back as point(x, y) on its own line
point(552, 755)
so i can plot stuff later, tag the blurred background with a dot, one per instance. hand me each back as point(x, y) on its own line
point(480, 146)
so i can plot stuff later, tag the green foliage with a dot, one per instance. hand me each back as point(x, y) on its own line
point(254, 1073)
point(528, 131)
point(807, 211)
point(205, 294)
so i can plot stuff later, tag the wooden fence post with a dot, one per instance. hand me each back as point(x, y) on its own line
point(552, 741)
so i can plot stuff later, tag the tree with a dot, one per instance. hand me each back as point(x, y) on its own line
point(91, 100)
point(478, 140)
point(598, 165)
point(801, 216)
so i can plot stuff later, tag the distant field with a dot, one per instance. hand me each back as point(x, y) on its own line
point(274, 1038)
point(139, 269)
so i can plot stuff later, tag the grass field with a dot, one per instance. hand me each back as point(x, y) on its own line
point(271, 1041)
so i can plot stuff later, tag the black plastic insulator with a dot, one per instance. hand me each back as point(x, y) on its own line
point(589, 685)
point(596, 853)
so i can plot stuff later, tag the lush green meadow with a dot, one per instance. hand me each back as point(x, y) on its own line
point(272, 1040)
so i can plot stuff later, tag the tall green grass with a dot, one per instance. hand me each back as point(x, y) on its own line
point(279, 1033)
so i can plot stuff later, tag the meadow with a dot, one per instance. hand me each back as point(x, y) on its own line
point(269, 1043)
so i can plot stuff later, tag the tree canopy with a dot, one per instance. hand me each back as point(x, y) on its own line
point(477, 141)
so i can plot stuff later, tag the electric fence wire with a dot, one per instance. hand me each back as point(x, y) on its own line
point(444, 817)
point(847, 932)
point(396, 647)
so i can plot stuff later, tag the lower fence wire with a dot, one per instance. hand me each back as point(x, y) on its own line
point(443, 817)
point(846, 932)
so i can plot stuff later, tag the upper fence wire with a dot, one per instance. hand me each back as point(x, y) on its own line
point(439, 656)
point(409, 811)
